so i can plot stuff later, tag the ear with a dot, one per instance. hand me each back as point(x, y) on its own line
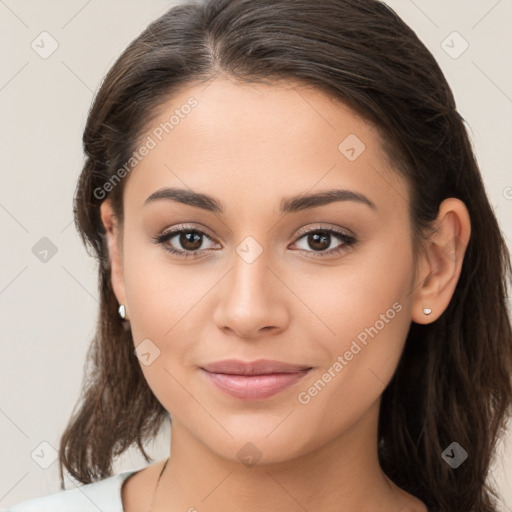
point(440, 266)
point(114, 240)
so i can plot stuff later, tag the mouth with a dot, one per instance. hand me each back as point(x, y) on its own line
point(259, 367)
point(253, 380)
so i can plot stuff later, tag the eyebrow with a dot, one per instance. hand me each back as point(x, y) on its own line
point(289, 204)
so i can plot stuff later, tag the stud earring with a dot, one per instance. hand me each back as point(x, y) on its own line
point(122, 311)
point(427, 311)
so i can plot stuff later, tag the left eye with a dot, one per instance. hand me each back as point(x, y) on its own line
point(321, 239)
point(191, 240)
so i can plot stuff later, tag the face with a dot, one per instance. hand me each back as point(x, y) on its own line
point(326, 283)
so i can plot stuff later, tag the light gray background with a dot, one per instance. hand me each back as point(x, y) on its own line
point(48, 309)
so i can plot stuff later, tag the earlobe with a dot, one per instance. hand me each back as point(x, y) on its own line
point(114, 252)
point(441, 263)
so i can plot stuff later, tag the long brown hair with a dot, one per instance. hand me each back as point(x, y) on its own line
point(453, 381)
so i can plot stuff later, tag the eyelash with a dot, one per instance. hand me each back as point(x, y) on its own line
point(348, 241)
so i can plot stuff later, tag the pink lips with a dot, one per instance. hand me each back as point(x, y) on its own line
point(253, 380)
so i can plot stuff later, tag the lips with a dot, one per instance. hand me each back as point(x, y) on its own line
point(259, 367)
point(253, 380)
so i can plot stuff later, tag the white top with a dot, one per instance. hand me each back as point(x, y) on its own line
point(104, 495)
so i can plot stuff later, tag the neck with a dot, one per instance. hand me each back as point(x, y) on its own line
point(343, 474)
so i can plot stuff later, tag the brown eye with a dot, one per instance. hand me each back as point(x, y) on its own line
point(319, 241)
point(185, 242)
point(190, 240)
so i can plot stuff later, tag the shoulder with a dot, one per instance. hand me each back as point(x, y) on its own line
point(102, 495)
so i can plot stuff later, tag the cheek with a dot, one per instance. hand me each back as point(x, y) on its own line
point(161, 298)
point(352, 296)
point(166, 316)
point(160, 293)
point(365, 311)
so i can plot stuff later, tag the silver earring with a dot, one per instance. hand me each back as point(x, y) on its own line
point(122, 311)
point(427, 311)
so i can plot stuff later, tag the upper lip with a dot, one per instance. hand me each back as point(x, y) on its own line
point(259, 367)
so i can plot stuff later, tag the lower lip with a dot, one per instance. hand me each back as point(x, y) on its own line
point(254, 387)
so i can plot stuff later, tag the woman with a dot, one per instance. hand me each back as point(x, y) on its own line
point(299, 267)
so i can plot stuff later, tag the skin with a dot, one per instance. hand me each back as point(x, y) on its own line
point(250, 146)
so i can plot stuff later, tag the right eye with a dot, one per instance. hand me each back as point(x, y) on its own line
point(189, 238)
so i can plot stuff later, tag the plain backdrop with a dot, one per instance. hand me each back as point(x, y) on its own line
point(48, 308)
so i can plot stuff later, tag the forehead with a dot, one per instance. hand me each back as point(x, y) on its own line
point(260, 140)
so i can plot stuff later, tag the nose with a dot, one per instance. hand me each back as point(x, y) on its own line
point(252, 300)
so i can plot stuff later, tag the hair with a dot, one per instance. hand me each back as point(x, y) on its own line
point(453, 381)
